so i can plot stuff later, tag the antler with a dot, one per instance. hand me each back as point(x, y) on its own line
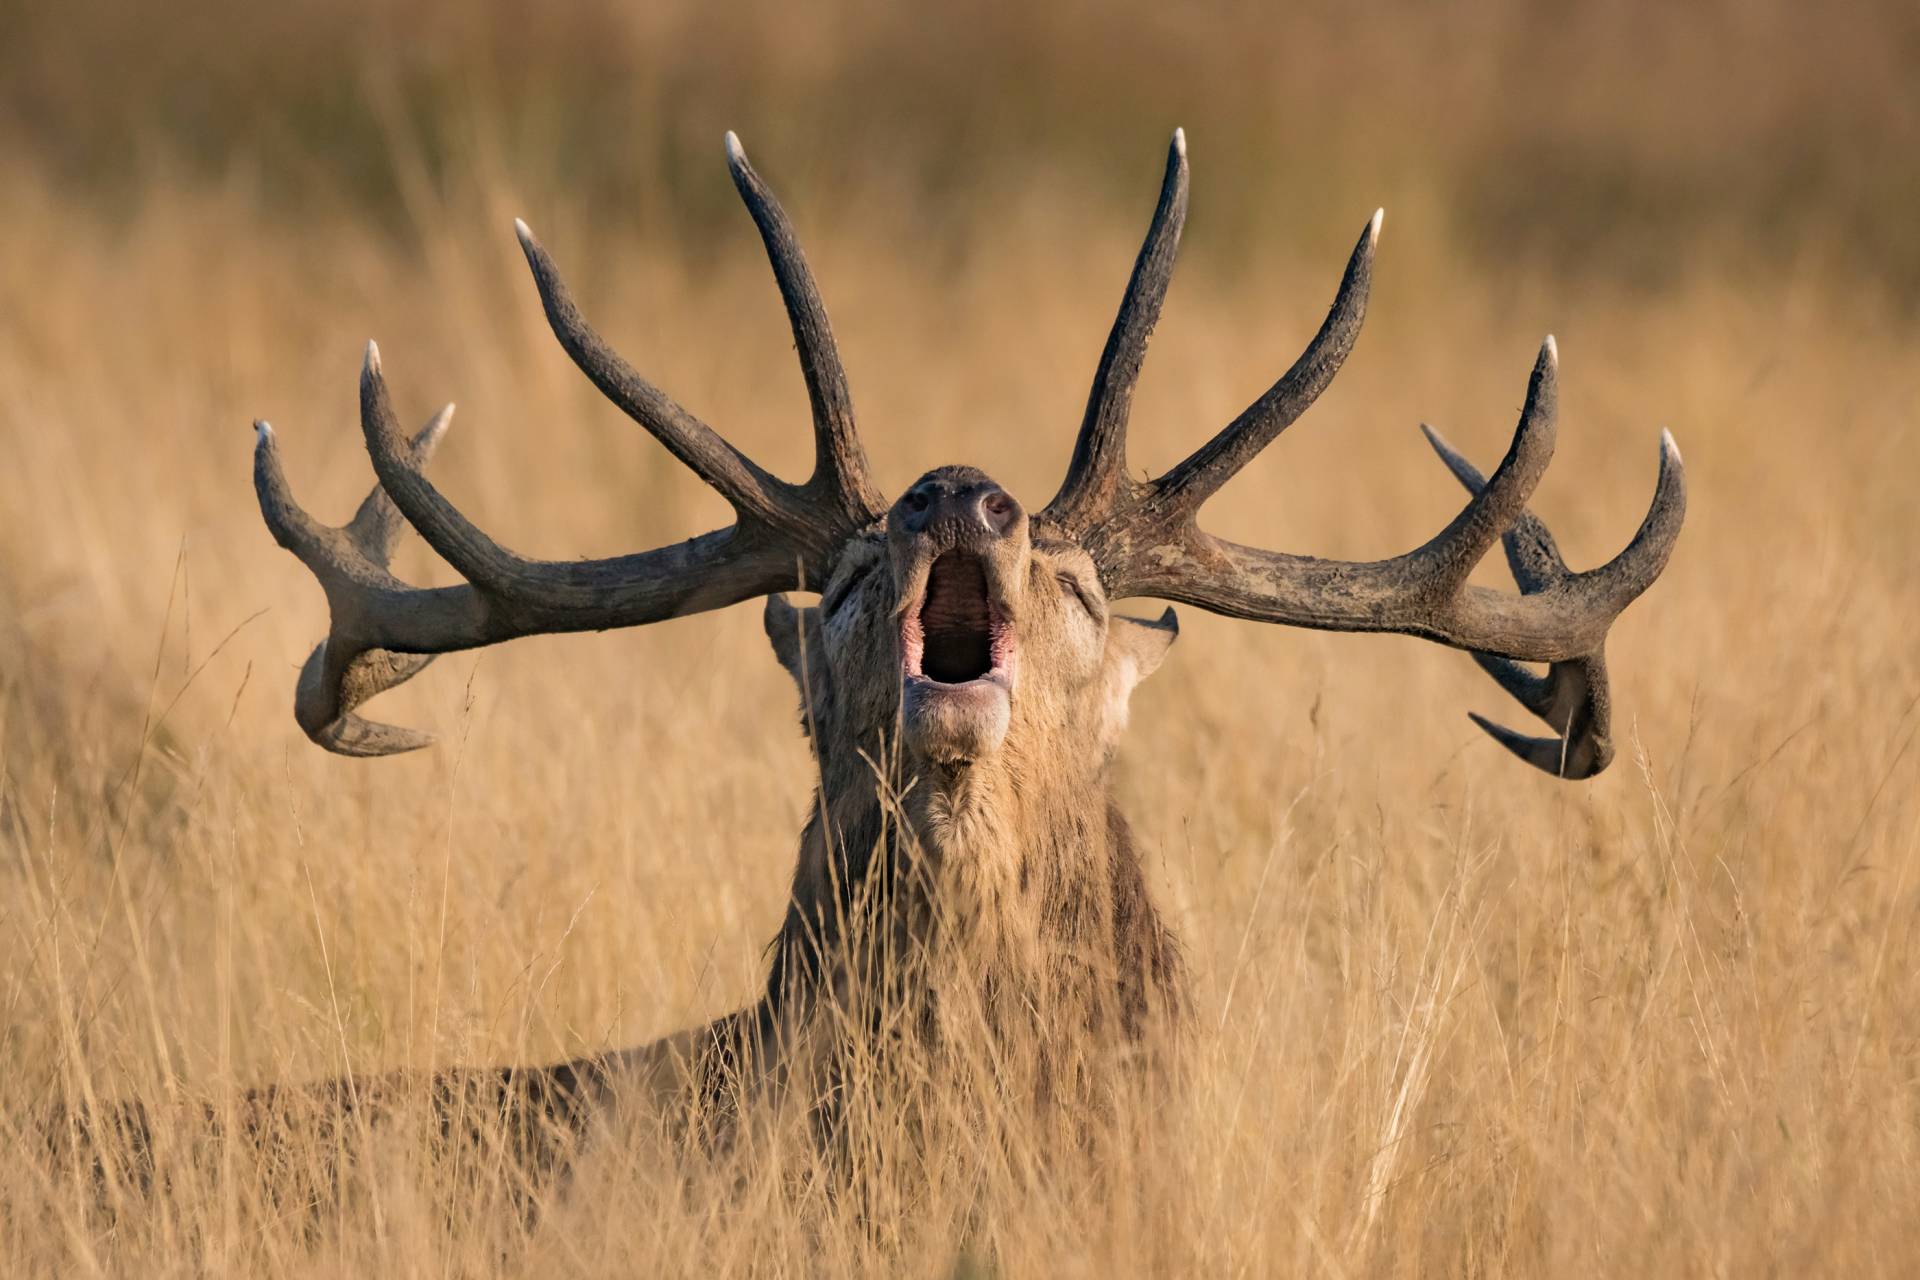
point(1097, 476)
point(1145, 539)
point(383, 631)
point(1573, 696)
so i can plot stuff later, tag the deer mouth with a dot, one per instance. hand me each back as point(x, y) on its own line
point(958, 634)
point(956, 662)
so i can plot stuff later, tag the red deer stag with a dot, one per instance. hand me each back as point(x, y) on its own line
point(968, 645)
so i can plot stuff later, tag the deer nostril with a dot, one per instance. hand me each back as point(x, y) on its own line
point(1000, 510)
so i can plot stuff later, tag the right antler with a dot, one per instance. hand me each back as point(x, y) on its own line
point(383, 631)
point(1145, 539)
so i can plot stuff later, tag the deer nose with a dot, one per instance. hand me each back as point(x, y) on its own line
point(961, 511)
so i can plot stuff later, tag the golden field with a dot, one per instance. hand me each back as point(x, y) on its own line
point(1454, 1017)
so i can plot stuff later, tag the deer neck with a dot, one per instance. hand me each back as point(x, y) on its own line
point(981, 869)
point(1003, 838)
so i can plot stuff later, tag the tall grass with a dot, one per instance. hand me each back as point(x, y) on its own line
point(1453, 1017)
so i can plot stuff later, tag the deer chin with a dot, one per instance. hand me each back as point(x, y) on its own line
point(957, 652)
point(954, 724)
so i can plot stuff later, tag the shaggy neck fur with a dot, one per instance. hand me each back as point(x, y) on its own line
point(998, 884)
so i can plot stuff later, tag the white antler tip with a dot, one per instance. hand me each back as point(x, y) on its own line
point(736, 155)
point(1551, 350)
point(262, 432)
point(523, 231)
point(1373, 226)
point(372, 365)
point(1668, 446)
point(1180, 143)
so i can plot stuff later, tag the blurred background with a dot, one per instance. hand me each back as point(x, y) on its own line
point(1630, 140)
point(1458, 1017)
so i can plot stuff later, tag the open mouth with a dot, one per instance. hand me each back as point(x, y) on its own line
point(957, 634)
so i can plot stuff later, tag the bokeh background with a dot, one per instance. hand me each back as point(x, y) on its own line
point(1455, 1017)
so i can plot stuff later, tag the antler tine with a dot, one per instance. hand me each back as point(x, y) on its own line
point(479, 559)
point(324, 699)
point(1532, 554)
point(752, 492)
point(1620, 581)
point(1573, 698)
point(376, 527)
point(1099, 463)
point(1200, 476)
point(314, 544)
point(349, 561)
point(840, 471)
point(1584, 748)
point(1498, 504)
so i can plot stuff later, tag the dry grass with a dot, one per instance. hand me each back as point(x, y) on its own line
point(1454, 1017)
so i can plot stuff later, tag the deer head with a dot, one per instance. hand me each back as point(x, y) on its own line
point(979, 628)
point(956, 622)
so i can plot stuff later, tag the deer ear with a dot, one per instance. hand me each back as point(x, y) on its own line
point(1135, 647)
point(795, 634)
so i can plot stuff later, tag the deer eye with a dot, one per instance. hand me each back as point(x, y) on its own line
point(1070, 585)
point(846, 589)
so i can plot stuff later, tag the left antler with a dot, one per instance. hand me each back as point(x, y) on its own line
point(382, 631)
